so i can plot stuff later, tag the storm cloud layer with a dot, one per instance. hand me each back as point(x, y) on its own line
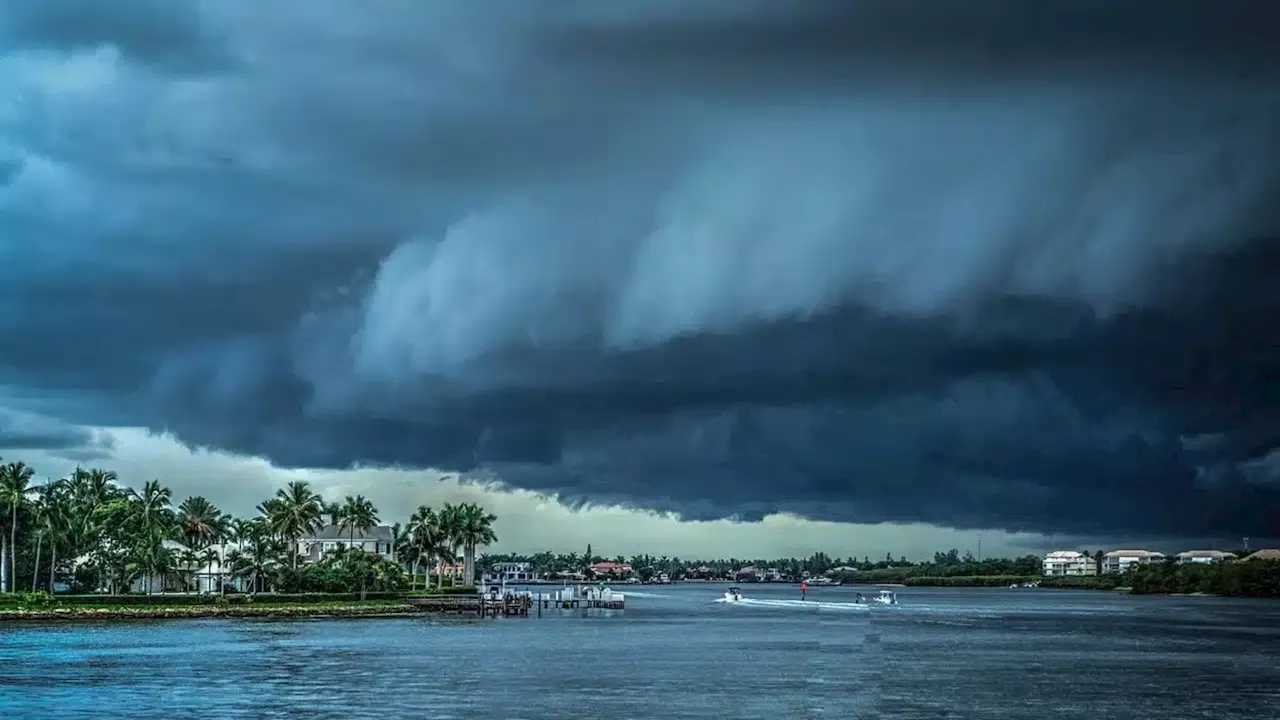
point(987, 264)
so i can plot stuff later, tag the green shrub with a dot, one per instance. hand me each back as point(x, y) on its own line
point(1086, 582)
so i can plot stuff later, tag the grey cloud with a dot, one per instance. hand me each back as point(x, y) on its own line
point(852, 261)
point(168, 34)
point(26, 431)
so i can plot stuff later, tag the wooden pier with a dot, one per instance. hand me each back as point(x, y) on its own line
point(495, 603)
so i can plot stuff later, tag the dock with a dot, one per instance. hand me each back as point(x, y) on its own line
point(495, 602)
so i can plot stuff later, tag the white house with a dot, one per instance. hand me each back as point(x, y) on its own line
point(510, 572)
point(1204, 557)
point(1119, 561)
point(1069, 562)
point(315, 546)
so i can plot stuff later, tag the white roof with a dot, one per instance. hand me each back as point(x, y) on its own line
point(1134, 553)
point(1065, 555)
point(1206, 554)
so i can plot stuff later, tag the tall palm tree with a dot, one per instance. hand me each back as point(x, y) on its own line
point(47, 525)
point(298, 510)
point(208, 557)
point(15, 485)
point(450, 521)
point(430, 542)
point(151, 517)
point(57, 519)
point(200, 522)
point(475, 530)
point(333, 512)
point(358, 513)
point(240, 529)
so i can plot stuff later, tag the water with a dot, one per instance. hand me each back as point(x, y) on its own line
point(677, 653)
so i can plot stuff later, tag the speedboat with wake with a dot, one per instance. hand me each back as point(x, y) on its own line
point(733, 594)
point(886, 597)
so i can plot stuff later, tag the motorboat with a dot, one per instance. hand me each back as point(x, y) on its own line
point(733, 594)
point(886, 597)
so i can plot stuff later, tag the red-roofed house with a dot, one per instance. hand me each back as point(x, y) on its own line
point(611, 569)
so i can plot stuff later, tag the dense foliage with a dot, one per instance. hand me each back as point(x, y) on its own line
point(88, 533)
point(1251, 578)
point(851, 569)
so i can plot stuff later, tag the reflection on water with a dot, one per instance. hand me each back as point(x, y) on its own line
point(676, 653)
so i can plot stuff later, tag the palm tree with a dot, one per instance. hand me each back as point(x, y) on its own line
point(357, 513)
point(189, 558)
point(46, 525)
point(150, 516)
point(475, 530)
point(200, 522)
point(334, 511)
point(15, 484)
point(240, 529)
point(450, 522)
point(430, 541)
point(208, 557)
point(297, 511)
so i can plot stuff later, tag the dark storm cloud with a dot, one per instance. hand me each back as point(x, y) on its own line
point(982, 265)
point(24, 431)
point(153, 31)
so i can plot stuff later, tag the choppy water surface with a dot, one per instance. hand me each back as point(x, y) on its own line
point(677, 653)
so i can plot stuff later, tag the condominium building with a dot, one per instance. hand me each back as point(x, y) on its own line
point(1118, 561)
point(1069, 562)
point(1204, 557)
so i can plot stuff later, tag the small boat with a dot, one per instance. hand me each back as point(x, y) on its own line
point(733, 594)
point(886, 597)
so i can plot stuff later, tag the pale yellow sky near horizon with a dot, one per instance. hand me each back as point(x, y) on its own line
point(526, 522)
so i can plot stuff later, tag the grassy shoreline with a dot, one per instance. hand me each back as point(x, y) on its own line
point(107, 611)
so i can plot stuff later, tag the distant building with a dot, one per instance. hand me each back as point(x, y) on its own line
point(1119, 561)
point(510, 572)
point(1204, 557)
point(611, 569)
point(1266, 554)
point(1069, 562)
point(313, 547)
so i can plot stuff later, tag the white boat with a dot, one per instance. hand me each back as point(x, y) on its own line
point(886, 597)
point(733, 594)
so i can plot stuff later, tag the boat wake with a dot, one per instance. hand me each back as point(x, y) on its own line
point(655, 596)
point(795, 604)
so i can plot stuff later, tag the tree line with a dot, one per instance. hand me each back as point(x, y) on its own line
point(88, 532)
point(890, 569)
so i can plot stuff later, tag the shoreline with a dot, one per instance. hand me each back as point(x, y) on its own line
point(279, 612)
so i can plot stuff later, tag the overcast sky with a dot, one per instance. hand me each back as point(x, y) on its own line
point(895, 267)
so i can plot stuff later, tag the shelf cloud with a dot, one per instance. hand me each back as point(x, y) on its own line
point(991, 265)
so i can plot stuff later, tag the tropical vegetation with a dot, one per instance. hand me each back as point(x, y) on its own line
point(1251, 578)
point(89, 533)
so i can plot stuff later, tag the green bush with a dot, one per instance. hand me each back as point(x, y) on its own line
point(1252, 578)
point(1087, 582)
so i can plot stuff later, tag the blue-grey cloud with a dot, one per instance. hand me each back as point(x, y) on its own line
point(983, 266)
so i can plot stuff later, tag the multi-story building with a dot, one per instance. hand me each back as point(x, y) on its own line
point(314, 546)
point(510, 572)
point(1119, 561)
point(1204, 557)
point(1069, 562)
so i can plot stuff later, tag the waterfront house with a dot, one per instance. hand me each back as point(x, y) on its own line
point(314, 546)
point(510, 572)
point(1069, 562)
point(1204, 557)
point(1265, 554)
point(1119, 561)
point(610, 569)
